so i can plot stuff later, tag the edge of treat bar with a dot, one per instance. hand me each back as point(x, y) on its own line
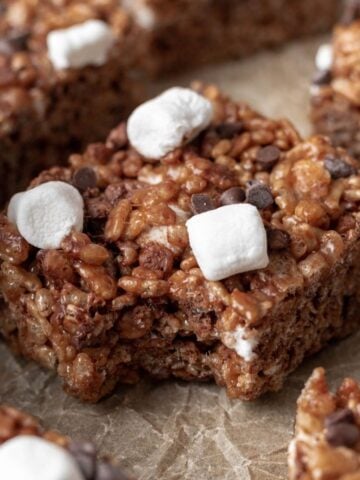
point(327, 431)
point(25, 444)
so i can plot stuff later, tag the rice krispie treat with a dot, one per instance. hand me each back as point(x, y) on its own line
point(63, 81)
point(28, 452)
point(336, 86)
point(201, 241)
point(326, 444)
point(184, 33)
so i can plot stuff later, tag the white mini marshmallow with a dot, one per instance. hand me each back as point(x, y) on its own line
point(32, 458)
point(46, 214)
point(168, 121)
point(242, 342)
point(80, 45)
point(228, 240)
point(324, 57)
point(143, 14)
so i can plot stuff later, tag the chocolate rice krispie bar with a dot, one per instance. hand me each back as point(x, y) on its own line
point(185, 33)
point(28, 452)
point(59, 92)
point(335, 92)
point(228, 249)
point(326, 444)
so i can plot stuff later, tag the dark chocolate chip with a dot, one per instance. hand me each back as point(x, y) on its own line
point(268, 156)
point(338, 168)
point(259, 195)
point(351, 12)
point(14, 42)
point(342, 435)
point(232, 195)
point(278, 239)
point(345, 415)
point(105, 471)
point(229, 130)
point(200, 203)
point(84, 178)
point(322, 77)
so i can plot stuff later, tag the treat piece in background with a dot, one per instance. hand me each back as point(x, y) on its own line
point(28, 451)
point(63, 81)
point(326, 442)
point(175, 36)
point(335, 89)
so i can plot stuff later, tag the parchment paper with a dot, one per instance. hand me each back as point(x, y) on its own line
point(173, 430)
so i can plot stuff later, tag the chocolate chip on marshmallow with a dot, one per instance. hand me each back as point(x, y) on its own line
point(228, 240)
point(85, 44)
point(32, 458)
point(46, 214)
point(168, 121)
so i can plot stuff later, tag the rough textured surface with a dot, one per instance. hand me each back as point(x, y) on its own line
point(327, 431)
point(336, 101)
point(14, 422)
point(127, 296)
point(45, 114)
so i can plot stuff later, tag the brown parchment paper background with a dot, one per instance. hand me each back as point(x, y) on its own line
point(172, 430)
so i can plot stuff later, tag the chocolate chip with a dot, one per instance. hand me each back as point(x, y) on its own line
point(322, 77)
point(200, 203)
point(342, 435)
point(268, 156)
point(259, 195)
point(84, 178)
point(14, 42)
point(345, 415)
point(351, 12)
point(278, 239)
point(338, 168)
point(229, 130)
point(232, 195)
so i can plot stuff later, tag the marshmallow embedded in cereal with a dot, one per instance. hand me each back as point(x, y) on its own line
point(32, 458)
point(243, 341)
point(81, 45)
point(228, 240)
point(46, 214)
point(168, 121)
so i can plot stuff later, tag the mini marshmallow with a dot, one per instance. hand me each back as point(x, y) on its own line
point(168, 121)
point(143, 14)
point(324, 57)
point(242, 342)
point(46, 214)
point(80, 45)
point(228, 240)
point(32, 458)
